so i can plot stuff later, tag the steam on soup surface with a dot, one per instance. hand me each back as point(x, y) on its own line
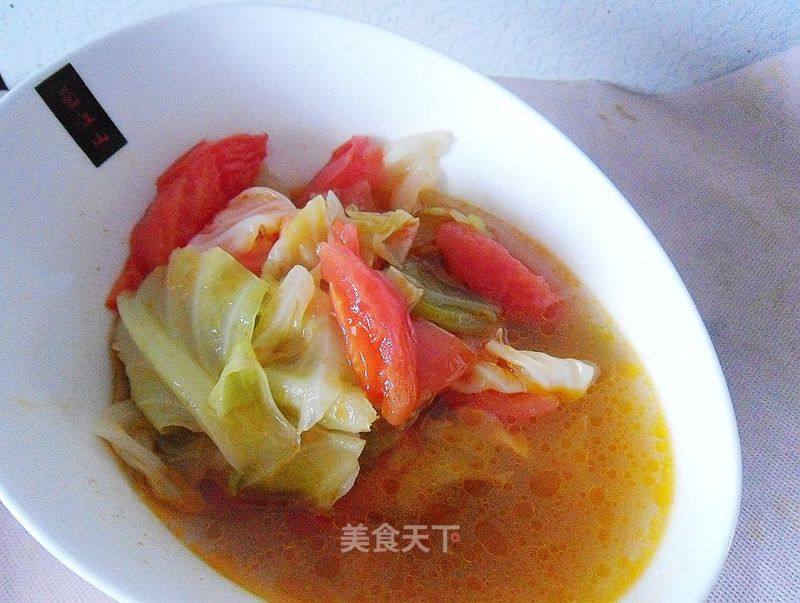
point(377, 392)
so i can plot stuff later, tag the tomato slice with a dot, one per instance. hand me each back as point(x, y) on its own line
point(354, 173)
point(238, 158)
point(181, 164)
point(188, 195)
point(441, 358)
point(488, 269)
point(182, 206)
point(506, 407)
point(377, 329)
point(346, 234)
point(128, 280)
point(254, 258)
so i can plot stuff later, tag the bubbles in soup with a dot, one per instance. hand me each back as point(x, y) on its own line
point(570, 506)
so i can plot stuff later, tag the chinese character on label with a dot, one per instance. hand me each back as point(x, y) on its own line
point(87, 119)
point(69, 98)
point(100, 139)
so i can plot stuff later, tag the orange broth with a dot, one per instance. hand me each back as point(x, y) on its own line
point(570, 506)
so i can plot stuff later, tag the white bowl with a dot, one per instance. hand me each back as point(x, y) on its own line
point(311, 80)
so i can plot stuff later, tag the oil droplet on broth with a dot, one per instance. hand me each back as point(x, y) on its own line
point(546, 483)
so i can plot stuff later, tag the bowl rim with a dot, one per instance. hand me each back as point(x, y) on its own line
point(73, 562)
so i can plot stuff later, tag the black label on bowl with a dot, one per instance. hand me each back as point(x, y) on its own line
point(83, 118)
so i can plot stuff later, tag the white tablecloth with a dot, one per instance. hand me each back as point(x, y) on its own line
point(652, 45)
point(715, 172)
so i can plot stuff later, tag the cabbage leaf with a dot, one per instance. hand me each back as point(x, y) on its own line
point(446, 304)
point(323, 470)
point(488, 375)
point(243, 421)
point(211, 303)
point(282, 312)
point(255, 212)
point(412, 165)
point(542, 372)
point(411, 292)
point(513, 371)
point(388, 235)
point(196, 336)
point(317, 383)
point(148, 391)
point(118, 425)
point(300, 236)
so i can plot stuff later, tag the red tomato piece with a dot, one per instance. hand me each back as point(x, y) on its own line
point(184, 203)
point(128, 280)
point(181, 164)
point(489, 270)
point(506, 407)
point(188, 195)
point(346, 234)
point(253, 259)
point(361, 195)
point(238, 158)
point(354, 173)
point(441, 358)
point(191, 200)
point(377, 329)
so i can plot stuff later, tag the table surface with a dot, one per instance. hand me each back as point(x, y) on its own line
point(650, 45)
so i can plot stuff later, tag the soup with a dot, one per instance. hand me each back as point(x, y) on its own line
point(533, 477)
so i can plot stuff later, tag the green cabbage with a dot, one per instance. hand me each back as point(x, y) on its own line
point(253, 213)
point(120, 425)
point(323, 470)
point(299, 238)
point(186, 338)
point(243, 421)
point(150, 394)
point(211, 304)
point(351, 412)
point(488, 375)
point(539, 371)
point(282, 312)
point(299, 343)
point(387, 235)
point(513, 371)
point(317, 384)
point(412, 165)
point(447, 305)
point(196, 337)
point(171, 360)
point(411, 292)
